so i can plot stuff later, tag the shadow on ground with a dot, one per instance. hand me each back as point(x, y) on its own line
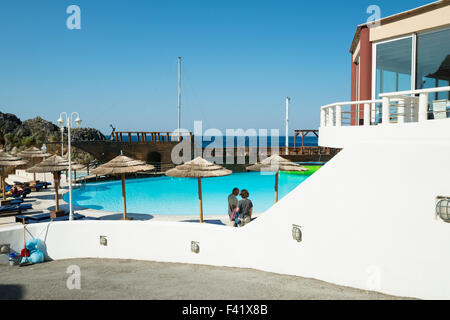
point(211, 221)
point(11, 292)
point(133, 216)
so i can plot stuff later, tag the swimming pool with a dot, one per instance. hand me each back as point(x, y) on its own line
point(178, 196)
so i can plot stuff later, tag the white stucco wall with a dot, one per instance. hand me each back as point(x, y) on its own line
point(367, 219)
point(342, 137)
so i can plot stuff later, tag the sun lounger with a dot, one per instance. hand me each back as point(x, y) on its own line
point(46, 218)
point(13, 201)
point(15, 208)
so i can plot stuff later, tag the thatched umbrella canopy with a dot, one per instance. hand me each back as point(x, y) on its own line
point(75, 166)
point(8, 160)
point(122, 165)
point(14, 151)
point(34, 154)
point(275, 163)
point(198, 168)
point(55, 164)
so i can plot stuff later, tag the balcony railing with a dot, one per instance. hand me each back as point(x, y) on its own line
point(392, 108)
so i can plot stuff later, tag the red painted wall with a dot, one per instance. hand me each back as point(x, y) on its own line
point(354, 95)
point(365, 75)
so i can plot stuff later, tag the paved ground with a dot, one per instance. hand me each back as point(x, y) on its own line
point(129, 279)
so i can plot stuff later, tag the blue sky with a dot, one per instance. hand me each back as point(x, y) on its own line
point(240, 60)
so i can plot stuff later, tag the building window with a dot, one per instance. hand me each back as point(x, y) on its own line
point(393, 66)
point(433, 69)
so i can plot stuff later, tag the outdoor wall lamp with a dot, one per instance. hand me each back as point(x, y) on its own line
point(443, 208)
point(296, 233)
point(5, 249)
point(103, 241)
point(195, 248)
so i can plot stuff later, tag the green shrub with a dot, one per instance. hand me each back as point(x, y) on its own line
point(27, 141)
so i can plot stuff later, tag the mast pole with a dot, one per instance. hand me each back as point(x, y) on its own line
point(287, 125)
point(179, 97)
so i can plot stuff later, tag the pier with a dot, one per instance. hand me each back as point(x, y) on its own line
point(155, 147)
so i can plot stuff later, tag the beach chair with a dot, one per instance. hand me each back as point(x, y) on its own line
point(45, 217)
point(16, 208)
point(11, 201)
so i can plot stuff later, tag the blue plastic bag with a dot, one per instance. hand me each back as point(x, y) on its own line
point(36, 248)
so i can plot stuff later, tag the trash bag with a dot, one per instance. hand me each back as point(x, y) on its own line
point(35, 247)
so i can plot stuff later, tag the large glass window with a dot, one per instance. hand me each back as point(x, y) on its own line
point(393, 66)
point(433, 62)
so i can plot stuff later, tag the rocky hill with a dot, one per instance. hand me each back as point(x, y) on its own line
point(35, 132)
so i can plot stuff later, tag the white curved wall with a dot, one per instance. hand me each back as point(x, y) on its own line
point(343, 137)
point(367, 215)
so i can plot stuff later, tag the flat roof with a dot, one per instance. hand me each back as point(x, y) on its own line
point(399, 16)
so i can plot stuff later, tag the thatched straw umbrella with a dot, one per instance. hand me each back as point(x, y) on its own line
point(55, 164)
point(34, 153)
point(8, 160)
point(75, 166)
point(122, 165)
point(275, 163)
point(14, 151)
point(198, 168)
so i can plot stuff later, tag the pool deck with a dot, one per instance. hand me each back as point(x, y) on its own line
point(44, 201)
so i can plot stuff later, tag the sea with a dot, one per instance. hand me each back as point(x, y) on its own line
point(310, 141)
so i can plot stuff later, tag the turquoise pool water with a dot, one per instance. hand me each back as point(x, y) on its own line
point(178, 196)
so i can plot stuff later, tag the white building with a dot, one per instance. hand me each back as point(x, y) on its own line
point(367, 217)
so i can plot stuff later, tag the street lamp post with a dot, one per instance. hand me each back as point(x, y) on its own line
point(62, 141)
point(287, 125)
point(44, 149)
point(69, 120)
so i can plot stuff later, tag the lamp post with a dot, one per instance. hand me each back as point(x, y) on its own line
point(287, 125)
point(62, 141)
point(69, 120)
point(44, 150)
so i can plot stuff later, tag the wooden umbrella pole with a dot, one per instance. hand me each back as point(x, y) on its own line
point(276, 187)
point(56, 182)
point(33, 162)
point(3, 183)
point(124, 198)
point(200, 199)
point(24, 234)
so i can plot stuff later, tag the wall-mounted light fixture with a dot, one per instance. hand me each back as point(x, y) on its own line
point(296, 233)
point(195, 247)
point(443, 208)
point(5, 248)
point(103, 241)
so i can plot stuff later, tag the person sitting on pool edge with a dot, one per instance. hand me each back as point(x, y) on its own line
point(233, 205)
point(245, 208)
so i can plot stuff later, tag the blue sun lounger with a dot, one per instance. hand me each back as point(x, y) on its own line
point(15, 208)
point(45, 217)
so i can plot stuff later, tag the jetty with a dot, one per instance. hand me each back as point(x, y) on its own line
point(155, 147)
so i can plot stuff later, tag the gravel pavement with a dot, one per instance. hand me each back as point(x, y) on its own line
point(130, 279)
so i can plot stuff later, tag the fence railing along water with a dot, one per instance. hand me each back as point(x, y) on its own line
point(150, 136)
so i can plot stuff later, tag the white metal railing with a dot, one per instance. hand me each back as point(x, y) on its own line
point(393, 107)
